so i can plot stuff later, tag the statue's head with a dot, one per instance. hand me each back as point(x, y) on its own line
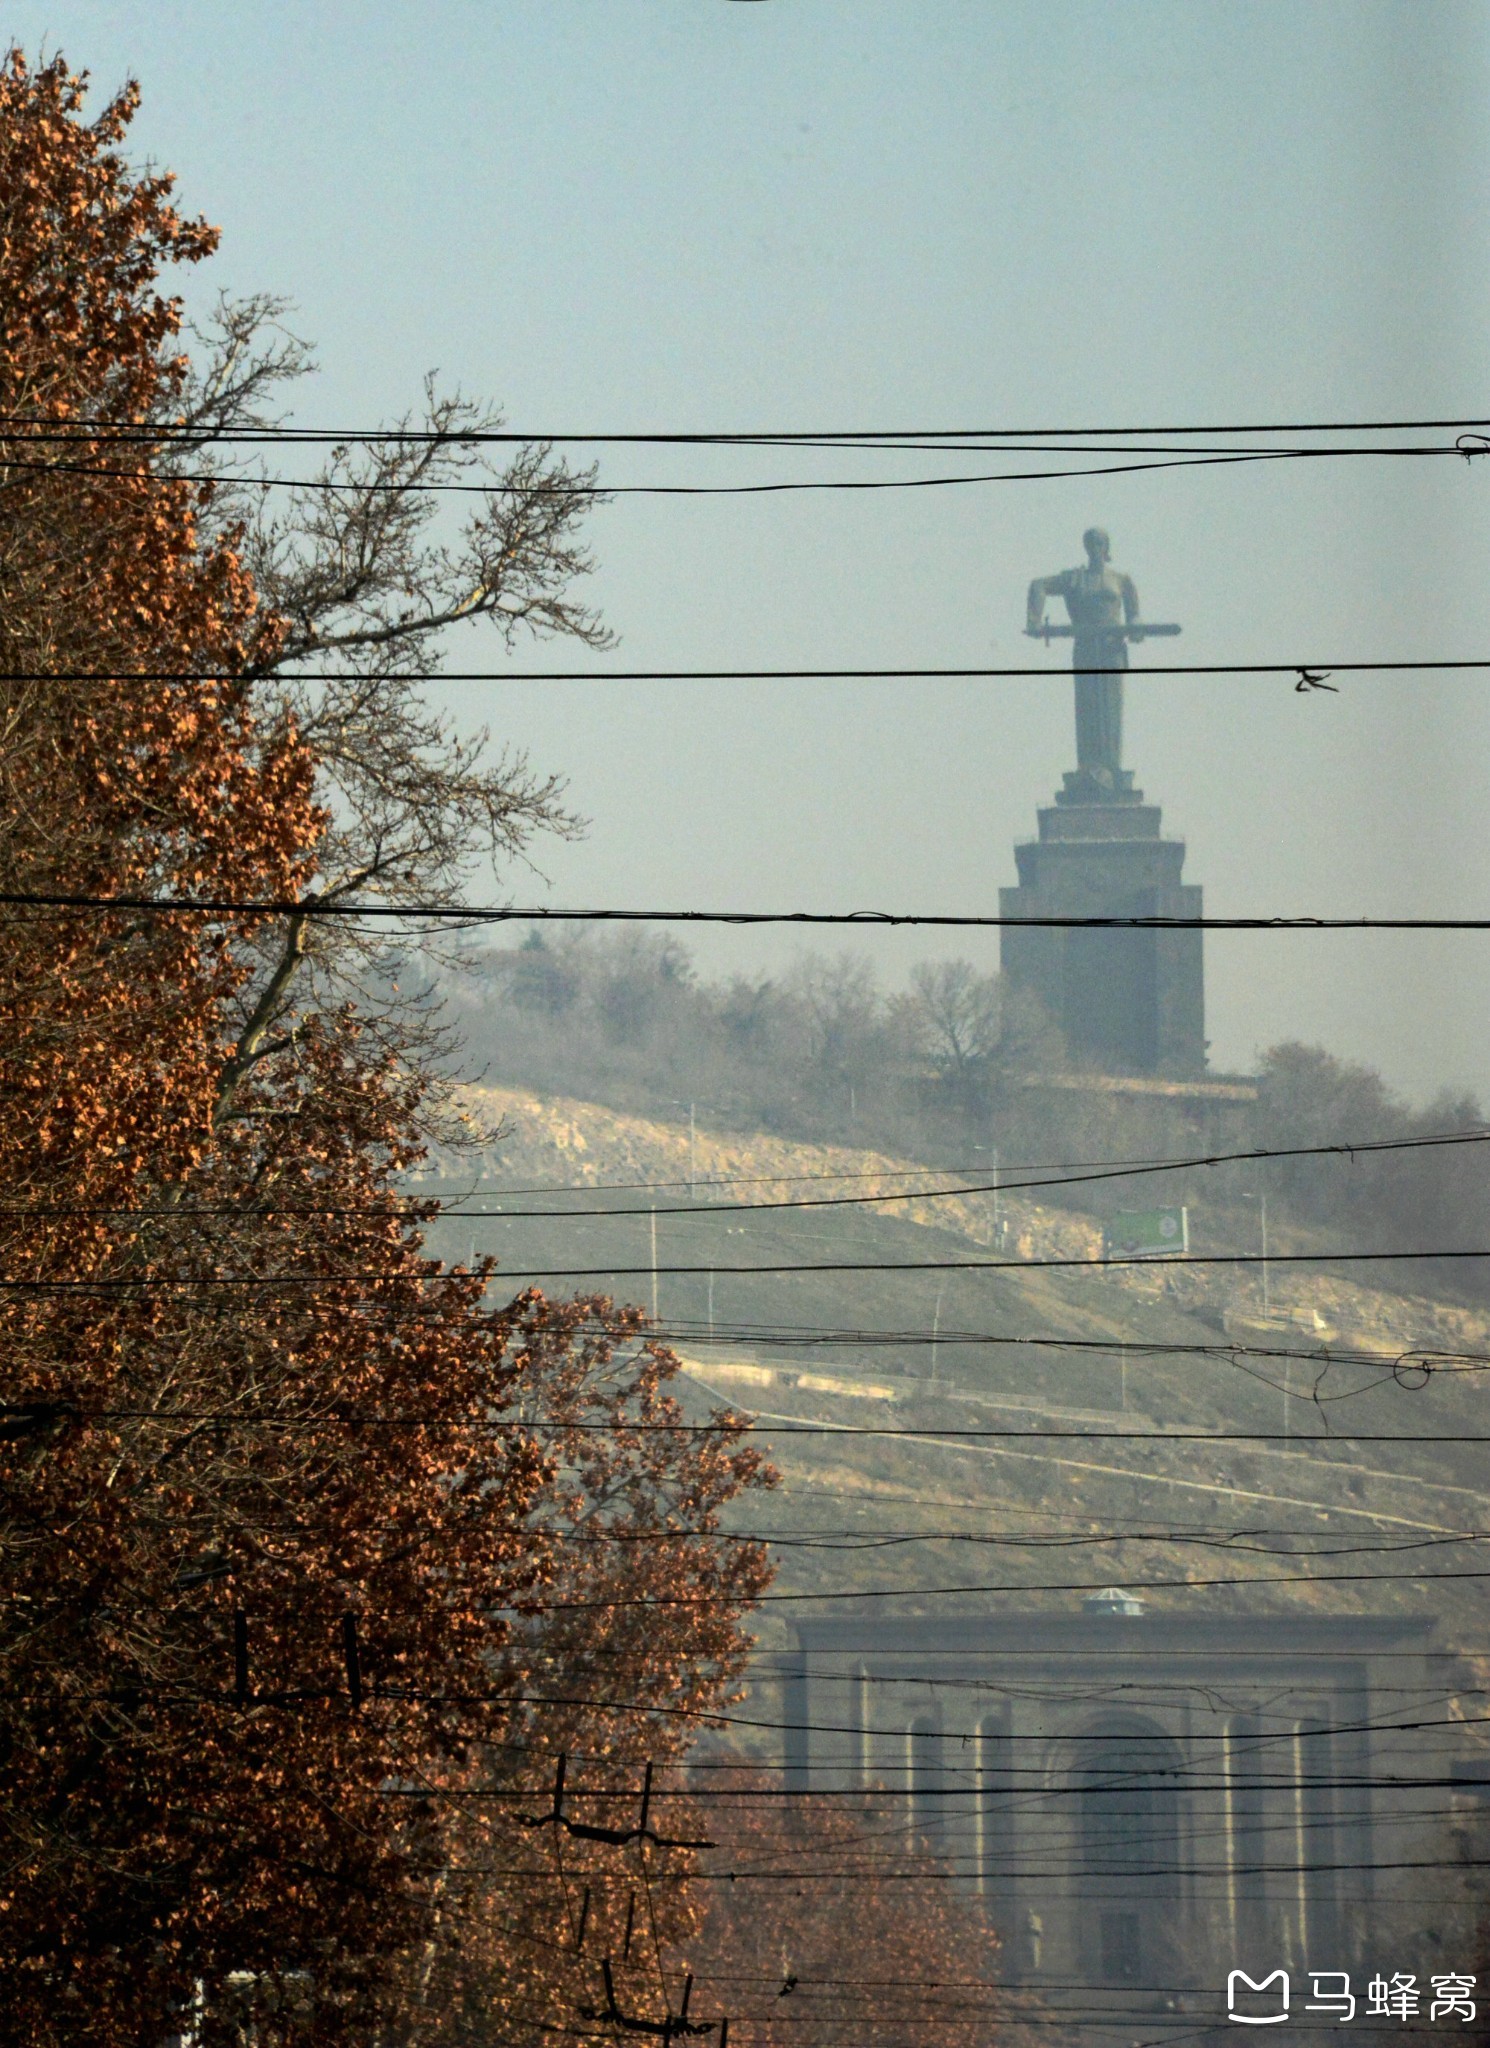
point(1098, 546)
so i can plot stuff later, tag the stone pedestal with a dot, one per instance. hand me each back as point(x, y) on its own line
point(1127, 1002)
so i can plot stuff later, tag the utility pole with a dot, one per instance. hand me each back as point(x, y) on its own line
point(1267, 1307)
point(993, 1188)
point(676, 1102)
point(1262, 1217)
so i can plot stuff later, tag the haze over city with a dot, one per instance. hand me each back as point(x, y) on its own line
point(745, 1242)
point(772, 217)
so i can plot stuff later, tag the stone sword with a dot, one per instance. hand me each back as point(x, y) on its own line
point(1139, 629)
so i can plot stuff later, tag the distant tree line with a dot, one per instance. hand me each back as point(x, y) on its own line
point(956, 1071)
point(821, 1052)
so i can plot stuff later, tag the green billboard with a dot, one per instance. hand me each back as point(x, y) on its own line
point(1147, 1234)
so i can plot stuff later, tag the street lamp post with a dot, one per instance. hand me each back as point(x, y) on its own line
point(994, 1189)
point(1262, 1217)
point(673, 1102)
point(1267, 1306)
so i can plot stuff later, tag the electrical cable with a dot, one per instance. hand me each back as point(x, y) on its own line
point(291, 673)
point(873, 1873)
point(574, 486)
point(853, 1542)
point(957, 1820)
point(1351, 1151)
point(152, 430)
point(871, 1499)
point(472, 914)
point(1098, 1168)
point(298, 1698)
point(62, 1412)
point(872, 1595)
point(1402, 1368)
point(1419, 1359)
point(165, 1283)
point(956, 1840)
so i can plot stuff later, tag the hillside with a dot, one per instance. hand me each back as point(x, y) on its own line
point(1315, 1518)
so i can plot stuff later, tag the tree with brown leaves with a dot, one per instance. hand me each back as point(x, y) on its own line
point(311, 1561)
point(799, 1917)
point(828, 1919)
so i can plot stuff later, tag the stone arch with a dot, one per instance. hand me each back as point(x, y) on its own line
point(1126, 1786)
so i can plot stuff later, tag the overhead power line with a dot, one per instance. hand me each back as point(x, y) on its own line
point(1419, 1358)
point(1411, 1360)
point(1235, 1542)
point(572, 487)
point(971, 1265)
point(881, 1495)
point(1412, 1367)
point(1282, 1737)
point(478, 914)
point(755, 675)
point(1067, 1177)
point(1001, 1186)
point(1063, 1167)
point(148, 1283)
point(1238, 1541)
point(1253, 1581)
point(54, 1412)
point(1027, 1786)
point(46, 428)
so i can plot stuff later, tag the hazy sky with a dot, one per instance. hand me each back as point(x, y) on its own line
point(638, 214)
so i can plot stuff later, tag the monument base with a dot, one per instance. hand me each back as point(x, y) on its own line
point(1126, 1002)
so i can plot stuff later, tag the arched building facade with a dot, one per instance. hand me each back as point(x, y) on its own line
point(1144, 1801)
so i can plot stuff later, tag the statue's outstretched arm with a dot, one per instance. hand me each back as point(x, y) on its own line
point(1130, 599)
point(1042, 588)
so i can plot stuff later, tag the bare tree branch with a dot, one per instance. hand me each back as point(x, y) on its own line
point(366, 572)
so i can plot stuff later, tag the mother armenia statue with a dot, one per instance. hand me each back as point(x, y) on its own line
point(1102, 605)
